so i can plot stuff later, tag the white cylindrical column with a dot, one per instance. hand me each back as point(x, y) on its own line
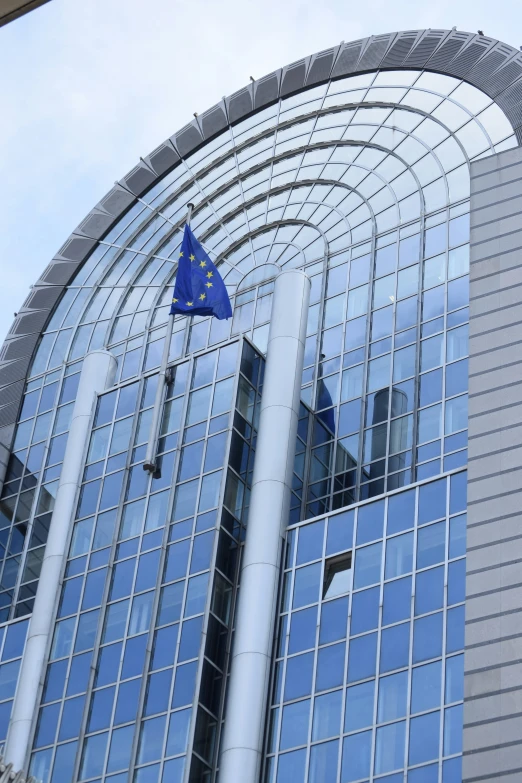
point(247, 695)
point(97, 374)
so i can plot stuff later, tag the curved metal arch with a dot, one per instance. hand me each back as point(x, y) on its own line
point(267, 227)
point(486, 63)
point(301, 151)
point(263, 282)
point(304, 118)
point(239, 177)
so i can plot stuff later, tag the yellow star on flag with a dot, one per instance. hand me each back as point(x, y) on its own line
point(180, 253)
point(202, 296)
point(174, 301)
point(208, 285)
point(189, 304)
point(209, 274)
point(192, 257)
point(202, 264)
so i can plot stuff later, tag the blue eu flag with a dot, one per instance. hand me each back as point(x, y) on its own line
point(199, 288)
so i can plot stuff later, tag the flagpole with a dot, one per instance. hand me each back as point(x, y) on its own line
point(150, 455)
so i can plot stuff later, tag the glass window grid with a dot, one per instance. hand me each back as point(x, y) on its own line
point(77, 565)
point(38, 483)
point(133, 343)
point(12, 640)
point(283, 655)
point(345, 325)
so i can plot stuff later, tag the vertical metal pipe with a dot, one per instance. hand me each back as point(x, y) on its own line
point(247, 696)
point(150, 454)
point(98, 372)
point(152, 445)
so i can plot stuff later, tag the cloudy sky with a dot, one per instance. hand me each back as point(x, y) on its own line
point(88, 86)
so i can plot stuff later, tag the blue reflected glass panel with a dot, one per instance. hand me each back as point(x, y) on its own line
point(399, 555)
point(334, 616)
point(15, 640)
point(294, 726)
point(393, 694)
point(127, 701)
point(396, 601)
point(426, 687)
point(306, 585)
point(134, 658)
point(184, 684)
point(455, 629)
point(427, 774)
point(327, 716)
point(164, 647)
point(367, 565)
point(365, 611)
point(302, 630)
point(93, 755)
point(173, 770)
point(453, 730)
point(178, 732)
point(452, 770)
point(432, 501)
point(120, 749)
point(357, 749)
point(424, 738)
point(330, 666)
point(64, 762)
point(299, 672)
point(429, 590)
point(291, 766)
point(431, 545)
point(310, 546)
point(323, 762)
point(101, 709)
point(47, 724)
point(359, 706)
point(454, 679)
point(190, 638)
point(79, 673)
point(340, 532)
point(370, 522)
point(55, 681)
point(457, 536)
point(395, 646)
point(456, 582)
point(427, 637)
point(151, 739)
point(361, 657)
point(458, 490)
point(389, 747)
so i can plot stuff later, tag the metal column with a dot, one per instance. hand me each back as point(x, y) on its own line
point(97, 374)
point(247, 695)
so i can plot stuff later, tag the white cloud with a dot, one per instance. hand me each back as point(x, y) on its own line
point(90, 85)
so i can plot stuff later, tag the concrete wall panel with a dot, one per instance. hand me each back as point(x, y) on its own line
point(493, 672)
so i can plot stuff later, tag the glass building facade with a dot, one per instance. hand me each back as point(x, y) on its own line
point(362, 181)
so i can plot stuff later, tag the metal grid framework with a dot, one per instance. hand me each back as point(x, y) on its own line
point(368, 674)
point(138, 661)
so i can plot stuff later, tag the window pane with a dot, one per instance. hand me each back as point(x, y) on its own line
point(389, 749)
point(327, 716)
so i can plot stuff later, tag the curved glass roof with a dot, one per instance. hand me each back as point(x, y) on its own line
point(313, 175)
